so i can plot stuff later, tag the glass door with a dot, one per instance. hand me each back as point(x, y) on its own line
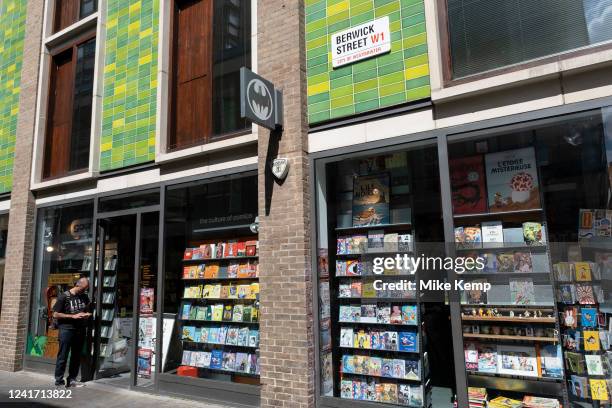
point(126, 276)
point(114, 288)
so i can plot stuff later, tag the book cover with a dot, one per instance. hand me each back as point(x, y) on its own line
point(409, 314)
point(376, 240)
point(253, 338)
point(416, 395)
point(346, 337)
point(391, 242)
point(563, 271)
point(242, 362)
point(386, 368)
point(591, 340)
point(238, 313)
point(412, 370)
point(374, 366)
point(389, 393)
point(368, 313)
point(227, 313)
point(505, 262)
point(579, 386)
point(383, 313)
point(566, 294)
point(396, 315)
point(405, 243)
point(532, 233)
point(470, 352)
point(468, 185)
point(144, 363)
point(594, 364)
point(246, 313)
point(522, 262)
point(584, 294)
point(188, 333)
point(408, 342)
point(517, 360)
point(222, 337)
point(228, 361)
point(346, 389)
point(371, 200)
point(344, 313)
point(216, 359)
point(487, 359)
point(186, 358)
point(399, 368)
point(551, 361)
point(570, 317)
point(348, 365)
point(583, 271)
point(231, 337)
point(522, 292)
point(403, 394)
point(512, 180)
point(599, 390)
point(588, 317)
point(186, 308)
point(476, 296)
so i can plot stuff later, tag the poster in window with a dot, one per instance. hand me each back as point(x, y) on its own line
point(146, 301)
point(371, 200)
point(517, 360)
point(468, 185)
point(144, 363)
point(512, 180)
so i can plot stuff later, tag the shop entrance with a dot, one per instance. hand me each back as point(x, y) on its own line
point(125, 292)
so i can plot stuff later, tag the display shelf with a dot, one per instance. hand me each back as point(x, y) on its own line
point(382, 300)
point(229, 258)
point(380, 376)
point(508, 306)
point(508, 376)
point(396, 226)
point(220, 345)
point(219, 279)
point(522, 248)
point(510, 319)
point(374, 253)
point(229, 372)
point(220, 299)
point(226, 322)
point(499, 214)
point(380, 350)
point(378, 324)
point(508, 337)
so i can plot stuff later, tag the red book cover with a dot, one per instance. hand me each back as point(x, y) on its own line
point(241, 248)
point(188, 253)
point(251, 248)
point(468, 185)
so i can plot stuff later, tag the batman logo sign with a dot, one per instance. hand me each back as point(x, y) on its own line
point(260, 99)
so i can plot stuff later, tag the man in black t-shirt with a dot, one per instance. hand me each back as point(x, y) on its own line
point(72, 312)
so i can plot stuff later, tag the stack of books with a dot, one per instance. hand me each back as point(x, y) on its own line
point(540, 402)
point(504, 402)
point(477, 397)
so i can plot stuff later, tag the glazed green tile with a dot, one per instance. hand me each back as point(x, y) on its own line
point(12, 33)
point(372, 83)
point(130, 83)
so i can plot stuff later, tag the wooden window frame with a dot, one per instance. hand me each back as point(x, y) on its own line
point(447, 62)
point(72, 45)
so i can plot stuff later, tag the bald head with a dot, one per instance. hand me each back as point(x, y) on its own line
point(82, 284)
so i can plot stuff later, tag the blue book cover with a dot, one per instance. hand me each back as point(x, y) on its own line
point(408, 342)
point(588, 317)
point(551, 361)
point(185, 311)
point(371, 200)
point(189, 333)
point(216, 360)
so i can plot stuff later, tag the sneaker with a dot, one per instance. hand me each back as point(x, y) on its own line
point(74, 383)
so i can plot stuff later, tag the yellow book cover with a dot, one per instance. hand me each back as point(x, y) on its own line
point(225, 291)
point(206, 293)
point(599, 391)
point(233, 292)
point(368, 291)
point(216, 292)
point(254, 292)
point(583, 271)
point(591, 340)
point(243, 291)
point(217, 313)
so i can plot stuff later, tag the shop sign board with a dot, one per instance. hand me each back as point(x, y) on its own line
point(360, 42)
point(260, 102)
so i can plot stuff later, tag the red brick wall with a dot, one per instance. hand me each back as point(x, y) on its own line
point(287, 338)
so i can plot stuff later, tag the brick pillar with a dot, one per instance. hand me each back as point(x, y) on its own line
point(287, 338)
point(20, 241)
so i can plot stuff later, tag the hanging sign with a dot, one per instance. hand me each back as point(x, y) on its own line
point(280, 168)
point(259, 101)
point(361, 42)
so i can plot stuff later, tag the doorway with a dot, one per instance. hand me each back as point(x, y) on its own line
point(125, 292)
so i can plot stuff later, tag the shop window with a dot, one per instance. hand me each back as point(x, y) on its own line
point(376, 344)
point(63, 254)
point(68, 12)
point(486, 34)
point(67, 140)
point(211, 287)
point(210, 43)
point(532, 202)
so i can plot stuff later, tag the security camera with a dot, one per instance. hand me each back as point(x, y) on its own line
point(255, 226)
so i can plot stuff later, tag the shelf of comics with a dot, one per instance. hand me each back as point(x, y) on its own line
point(219, 313)
point(109, 301)
point(380, 348)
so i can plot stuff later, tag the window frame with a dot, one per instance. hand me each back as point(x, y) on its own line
point(54, 16)
point(72, 45)
point(212, 142)
point(448, 79)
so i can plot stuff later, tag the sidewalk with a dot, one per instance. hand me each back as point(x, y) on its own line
point(92, 395)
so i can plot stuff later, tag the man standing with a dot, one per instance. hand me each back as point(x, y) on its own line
point(72, 313)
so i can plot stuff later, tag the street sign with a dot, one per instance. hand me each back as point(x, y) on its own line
point(259, 101)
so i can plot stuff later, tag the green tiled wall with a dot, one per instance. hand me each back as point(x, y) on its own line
point(130, 83)
point(12, 33)
point(396, 77)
